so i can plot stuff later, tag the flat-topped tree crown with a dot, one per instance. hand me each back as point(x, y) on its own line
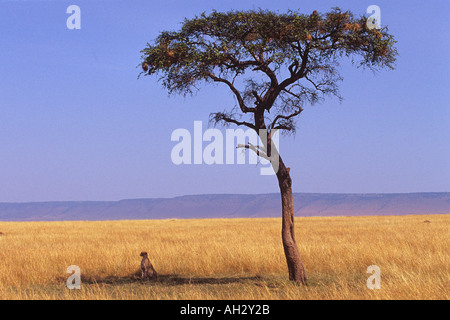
point(283, 48)
point(272, 63)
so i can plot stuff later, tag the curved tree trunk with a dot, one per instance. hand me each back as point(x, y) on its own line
point(294, 262)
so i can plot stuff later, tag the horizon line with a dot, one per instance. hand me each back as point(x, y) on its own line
point(224, 194)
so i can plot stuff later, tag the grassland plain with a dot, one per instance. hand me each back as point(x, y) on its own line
point(227, 258)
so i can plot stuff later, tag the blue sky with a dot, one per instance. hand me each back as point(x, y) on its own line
point(77, 124)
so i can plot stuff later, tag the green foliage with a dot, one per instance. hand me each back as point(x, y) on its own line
point(295, 55)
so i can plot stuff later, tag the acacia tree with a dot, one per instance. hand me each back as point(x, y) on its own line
point(273, 64)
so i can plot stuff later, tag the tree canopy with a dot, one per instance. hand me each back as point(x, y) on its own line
point(268, 60)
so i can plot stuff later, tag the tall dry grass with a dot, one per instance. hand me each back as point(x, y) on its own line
point(227, 258)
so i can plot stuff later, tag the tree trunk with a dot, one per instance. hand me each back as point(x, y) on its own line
point(294, 262)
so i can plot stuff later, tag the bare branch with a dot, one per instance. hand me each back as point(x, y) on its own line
point(317, 86)
point(293, 94)
point(293, 68)
point(221, 116)
point(236, 92)
point(280, 116)
point(295, 76)
point(257, 97)
point(256, 149)
point(263, 66)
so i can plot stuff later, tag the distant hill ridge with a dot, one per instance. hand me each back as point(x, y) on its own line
point(230, 206)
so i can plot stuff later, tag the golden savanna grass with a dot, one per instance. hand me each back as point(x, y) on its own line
point(227, 258)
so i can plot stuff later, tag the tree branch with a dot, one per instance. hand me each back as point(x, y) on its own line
point(280, 116)
point(295, 76)
point(256, 149)
point(220, 116)
point(236, 92)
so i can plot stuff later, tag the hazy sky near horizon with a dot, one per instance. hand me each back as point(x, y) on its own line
point(77, 124)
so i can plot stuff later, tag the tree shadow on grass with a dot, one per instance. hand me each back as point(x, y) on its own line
point(167, 280)
point(175, 280)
